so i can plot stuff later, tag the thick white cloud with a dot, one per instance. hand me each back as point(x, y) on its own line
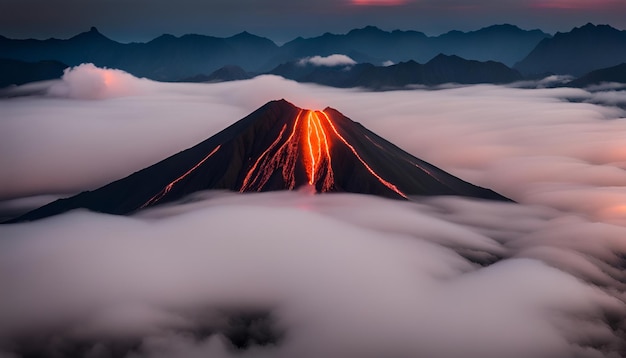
point(328, 61)
point(87, 81)
point(339, 275)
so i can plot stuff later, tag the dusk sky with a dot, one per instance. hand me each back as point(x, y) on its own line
point(283, 20)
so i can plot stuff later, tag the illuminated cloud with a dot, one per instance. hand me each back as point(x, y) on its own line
point(340, 275)
point(328, 61)
point(87, 81)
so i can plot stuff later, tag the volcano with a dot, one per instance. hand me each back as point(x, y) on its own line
point(277, 147)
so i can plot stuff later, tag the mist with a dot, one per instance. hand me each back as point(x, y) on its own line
point(297, 274)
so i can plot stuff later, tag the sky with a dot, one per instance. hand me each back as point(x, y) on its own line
point(284, 20)
point(334, 275)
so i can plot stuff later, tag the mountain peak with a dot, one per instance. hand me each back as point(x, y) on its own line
point(592, 28)
point(277, 147)
point(443, 58)
point(502, 27)
point(582, 50)
point(244, 35)
point(367, 30)
point(92, 35)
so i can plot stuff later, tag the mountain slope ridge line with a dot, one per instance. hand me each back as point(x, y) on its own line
point(324, 150)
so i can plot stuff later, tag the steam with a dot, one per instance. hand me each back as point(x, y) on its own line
point(305, 275)
point(327, 61)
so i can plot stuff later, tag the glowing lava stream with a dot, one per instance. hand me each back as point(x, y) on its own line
point(319, 150)
point(256, 164)
point(356, 154)
point(284, 156)
point(169, 186)
point(309, 141)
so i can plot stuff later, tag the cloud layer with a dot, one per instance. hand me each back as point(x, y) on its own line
point(338, 275)
point(327, 61)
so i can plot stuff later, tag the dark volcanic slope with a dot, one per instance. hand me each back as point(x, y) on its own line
point(278, 147)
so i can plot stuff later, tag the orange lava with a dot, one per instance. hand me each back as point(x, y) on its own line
point(356, 154)
point(271, 160)
point(308, 144)
point(246, 180)
point(319, 150)
point(169, 186)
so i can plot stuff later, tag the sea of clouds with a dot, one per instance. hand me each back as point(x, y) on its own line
point(302, 275)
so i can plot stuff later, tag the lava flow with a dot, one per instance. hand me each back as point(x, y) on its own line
point(169, 186)
point(308, 146)
point(356, 154)
point(277, 147)
point(319, 151)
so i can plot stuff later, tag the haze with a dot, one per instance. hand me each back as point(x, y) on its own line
point(337, 275)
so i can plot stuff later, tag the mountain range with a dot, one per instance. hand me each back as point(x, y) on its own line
point(582, 50)
point(170, 58)
point(463, 57)
point(502, 43)
point(441, 69)
point(277, 147)
point(166, 58)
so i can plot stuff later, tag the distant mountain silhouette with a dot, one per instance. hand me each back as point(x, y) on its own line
point(502, 43)
point(277, 147)
point(15, 72)
point(611, 74)
point(441, 69)
point(335, 76)
point(582, 50)
point(166, 58)
point(226, 73)
point(369, 44)
point(171, 58)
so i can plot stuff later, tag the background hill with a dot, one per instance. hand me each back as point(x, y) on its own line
point(577, 52)
point(171, 58)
